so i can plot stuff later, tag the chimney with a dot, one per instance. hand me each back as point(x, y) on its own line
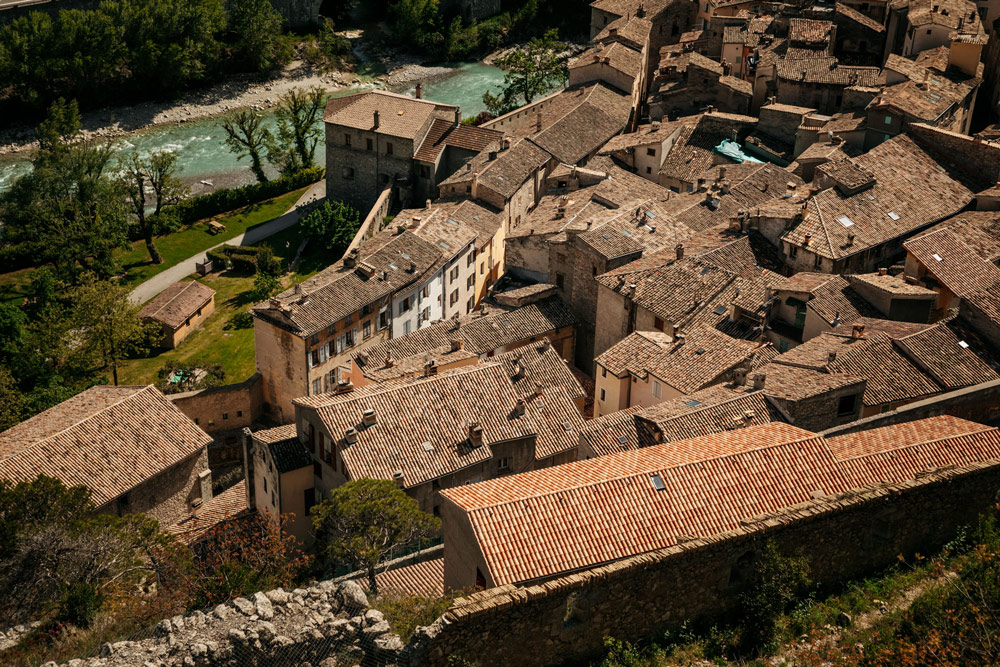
point(679, 248)
point(758, 380)
point(521, 406)
point(850, 240)
point(724, 188)
point(831, 357)
point(458, 116)
point(351, 259)
point(677, 331)
point(398, 477)
point(613, 32)
point(805, 242)
point(351, 435)
point(475, 184)
point(457, 344)
point(493, 155)
point(344, 387)
point(389, 361)
point(722, 173)
point(376, 123)
point(883, 271)
point(427, 203)
point(420, 90)
point(506, 143)
point(748, 416)
point(836, 318)
point(858, 331)
point(476, 434)
point(539, 388)
point(430, 368)
point(368, 417)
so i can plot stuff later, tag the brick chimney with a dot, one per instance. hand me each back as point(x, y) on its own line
point(858, 331)
point(758, 380)
point(520, 407)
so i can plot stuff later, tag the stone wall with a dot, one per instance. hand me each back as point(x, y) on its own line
point(978, 160)
point(167, 496)
point(299, 13)
point(979, 403)
point(564, 620)
point(218, 409)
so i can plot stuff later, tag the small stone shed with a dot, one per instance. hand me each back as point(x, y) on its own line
point(179, 309)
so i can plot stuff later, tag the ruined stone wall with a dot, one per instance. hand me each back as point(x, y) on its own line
point(217, 409)
point(565, 619)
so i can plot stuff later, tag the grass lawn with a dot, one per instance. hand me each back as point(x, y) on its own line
point(218, 341)
point(187, 242)
point(13, 285)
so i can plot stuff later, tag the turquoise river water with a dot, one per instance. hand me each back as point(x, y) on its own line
point(203, 156)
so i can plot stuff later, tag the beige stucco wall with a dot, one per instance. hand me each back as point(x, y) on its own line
point(281, 361)
point(173, 337)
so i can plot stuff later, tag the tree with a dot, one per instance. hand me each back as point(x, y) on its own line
point(247, 136)
point(256, 27)
point(264, 285)
point(59, 555)
point(365, 521)
point(158, 172)
point(531, 71)
point(109, 323)
point(333, 224)
point(244, 555)
point(298, 131)
point(776, 581)
point(11, 402)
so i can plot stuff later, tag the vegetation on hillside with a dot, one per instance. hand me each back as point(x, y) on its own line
point(125, 50)
point(532, 70)
point(933, 611)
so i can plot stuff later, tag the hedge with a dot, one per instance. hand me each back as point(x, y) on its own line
point(244, 259)
point(204, 206)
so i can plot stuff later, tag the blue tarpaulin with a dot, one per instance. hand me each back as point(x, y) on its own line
point(732, 150)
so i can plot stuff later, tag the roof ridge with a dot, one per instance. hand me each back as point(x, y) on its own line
point(909, 445)
point(185, 285)
point(140, 388)
point(713, 405)
point(660, 469)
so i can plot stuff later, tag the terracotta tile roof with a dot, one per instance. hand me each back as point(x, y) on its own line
point(601, 114)
point(558, 423)
point(900, 452)
point(744, 408)
point(836, 301)
point(644, 135)
point(631, 29)
point(508, 172)
point(276, 434)
point(939, 353)
point(107, 438)
point(228, 505)
point(954, 264)
point(890, 374)
point(909, 185)
point(704, 357)
point(613, 432)
point(487, 330)
point(927, 94)
point(858, 17)
point(444, 132)
point(620, 57)
point(425, 578)
point(791, 383)
point(437, 410)
point(826, 70)
point(891, 284)
point(399, 115)
point(441, 356)
point(647, 227)
point(337, 291)
point(809, 31)
point(947, 13)
point(539, 362)
point(582, 514)
point(290, 454)
point(177, 303)
point(634, 352)
point(980, 230)
point(674, 291)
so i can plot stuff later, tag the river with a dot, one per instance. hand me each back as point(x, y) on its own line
point(203, 156)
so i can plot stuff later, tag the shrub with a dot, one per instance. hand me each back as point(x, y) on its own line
point(776, 582)
point(80, 604)
point(220, 260)
point(406, 612)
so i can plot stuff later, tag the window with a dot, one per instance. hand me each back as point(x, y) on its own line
point(383, 319)
point(887, 120)
point(312, 439)
point(846, 405)
point(425, 171)
point(471, 258)
point(368, 144)
point(388, 148)
point(482, 268)
point(471, 282)
point(225, 415)
point(347, 173)
point(367, 309)
point(265, 485)
point(658, 324)
point(793, 251)
point(560, 280)
point(309, 498)
point(366, 329)
point(649, 170)
point(317, 386)
point(782, 345)
point(407, 326)
point(503, 463)
point(453, 299)
point(470, 304)
point(437, 510)
point(347, 139)
point(657, 389)
point(604, 372)
point(602, 395)
point(651, 151)
point(239, 413)
point(196, 420)
point(452, 275)
point(404, 305)
point(819, 262)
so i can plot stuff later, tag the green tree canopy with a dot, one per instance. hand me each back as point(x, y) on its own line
point(531, 71)
point(298, 131)
point(332, 224)
point(364, 522)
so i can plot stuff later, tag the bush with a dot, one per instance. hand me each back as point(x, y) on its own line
point(405, 612)
point(248, 260)
point(204, 206)
point(245, 264)
point(219, 259)
point(80, 604)
point(19, 256)
point(334, 225)
point(776, 582)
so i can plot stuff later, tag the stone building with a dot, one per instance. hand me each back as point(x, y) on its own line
point(279, 473)
point(918, 25)
point(807, 304)
point(378, 140)
point(434, 432)
point(688, 82)
point(130, 446)
point(305, 335)
point(860, 39)
point(896, 297)
point(649, 367)
point(179, 310)
point(532, 527)
point(940, 261)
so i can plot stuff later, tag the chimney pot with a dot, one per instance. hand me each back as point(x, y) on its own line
point(832, 356)
point(520, 407)
point(758, 380)
point(351, 435)
point(368, 417)
point(476, 434)
point(883, 271)
point(457, 344)
point(398, 477)
point(458, 116)
point(676, 330)
point(680, 250)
